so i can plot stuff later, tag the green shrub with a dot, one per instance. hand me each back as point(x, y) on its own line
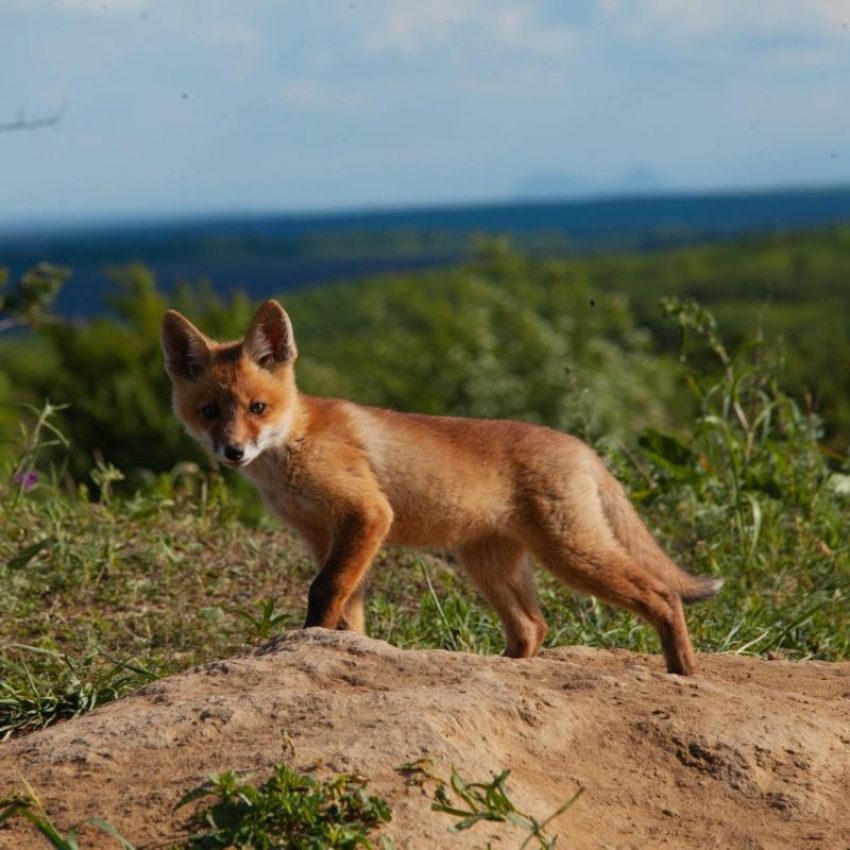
point(289, 810)
point(506, 337)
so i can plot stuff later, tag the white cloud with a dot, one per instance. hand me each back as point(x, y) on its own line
point(515, 27)
point(76, 6)
point(689, 19)
point(230, 33)
point(311, 95)
point(102, 5)
point(806, 58)
point(408, 28)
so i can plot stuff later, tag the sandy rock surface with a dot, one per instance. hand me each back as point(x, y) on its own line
point(749, 754)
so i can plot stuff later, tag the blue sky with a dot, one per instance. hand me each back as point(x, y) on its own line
point(221, 107)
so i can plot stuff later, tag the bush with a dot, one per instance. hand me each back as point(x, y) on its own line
point(505, 337)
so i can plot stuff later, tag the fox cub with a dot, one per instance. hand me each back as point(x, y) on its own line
point(350, 477)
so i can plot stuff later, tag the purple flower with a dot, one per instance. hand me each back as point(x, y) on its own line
point(27, 479)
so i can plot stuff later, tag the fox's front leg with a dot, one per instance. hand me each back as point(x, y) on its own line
point(353, 617)
point(356, 540)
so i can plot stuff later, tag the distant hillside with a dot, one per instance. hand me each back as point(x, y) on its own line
point(265, 254)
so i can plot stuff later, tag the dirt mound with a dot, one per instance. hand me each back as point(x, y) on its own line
point(750, 754)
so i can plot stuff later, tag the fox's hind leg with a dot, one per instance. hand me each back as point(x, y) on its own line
point(498, 567)
point(611, 574)
point(607, 553)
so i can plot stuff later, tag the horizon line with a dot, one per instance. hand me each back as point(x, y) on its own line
point(39, 225)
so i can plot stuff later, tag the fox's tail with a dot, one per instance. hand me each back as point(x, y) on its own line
point(635, 538)
point(699, 588)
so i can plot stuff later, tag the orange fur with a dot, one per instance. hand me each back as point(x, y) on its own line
point(350, 477)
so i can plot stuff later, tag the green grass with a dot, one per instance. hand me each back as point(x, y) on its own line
point(470, 803)
point(50, 686)
point(103, 592)
point(289, 810)
point(301, 812)
point(29, 807)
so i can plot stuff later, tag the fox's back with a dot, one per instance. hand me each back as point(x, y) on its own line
point(450, 480)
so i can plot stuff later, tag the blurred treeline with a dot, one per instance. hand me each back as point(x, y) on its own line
point(578, 344)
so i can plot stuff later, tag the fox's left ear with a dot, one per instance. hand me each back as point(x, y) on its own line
point(269, 340)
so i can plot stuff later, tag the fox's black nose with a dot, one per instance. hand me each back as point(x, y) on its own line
point(234, 451)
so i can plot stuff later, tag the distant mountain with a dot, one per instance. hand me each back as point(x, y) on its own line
point(553, 185)
point(561, 186)
point(266, 254)
point(638, 180)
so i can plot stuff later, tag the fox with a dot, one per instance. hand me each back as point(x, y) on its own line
point(350, 478)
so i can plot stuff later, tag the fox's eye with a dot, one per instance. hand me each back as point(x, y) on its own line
point(257, 407)
point(210, 411)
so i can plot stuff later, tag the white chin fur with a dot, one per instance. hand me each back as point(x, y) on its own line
point(275, 435)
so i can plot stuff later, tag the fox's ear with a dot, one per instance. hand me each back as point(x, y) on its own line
point(269, 340)
point(186, 349)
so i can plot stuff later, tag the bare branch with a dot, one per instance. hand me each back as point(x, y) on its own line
point(5, 324)
point(22, 123)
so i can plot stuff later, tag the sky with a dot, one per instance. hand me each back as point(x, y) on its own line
point(210, 107)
